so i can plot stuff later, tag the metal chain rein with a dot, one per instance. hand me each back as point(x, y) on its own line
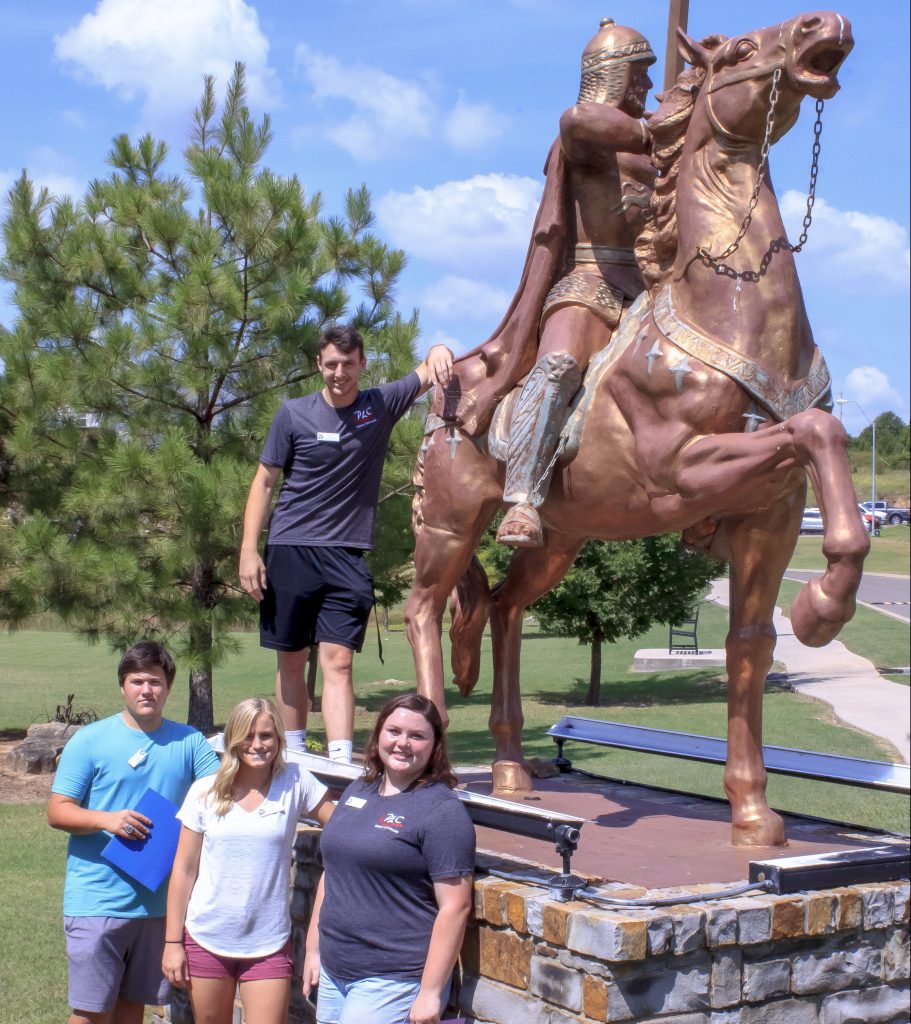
point(717, 262)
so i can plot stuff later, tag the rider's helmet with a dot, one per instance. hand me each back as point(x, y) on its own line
point(607, 63)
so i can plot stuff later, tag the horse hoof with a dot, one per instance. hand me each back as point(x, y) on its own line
point(765, 830)
point(510, 778)
point(818, 618)
point(464, 684)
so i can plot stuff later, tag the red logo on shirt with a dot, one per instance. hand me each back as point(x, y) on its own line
point(391, 822)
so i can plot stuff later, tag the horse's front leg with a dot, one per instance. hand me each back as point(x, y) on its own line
point(760, 549)
point(532, 573)
point(731, 469)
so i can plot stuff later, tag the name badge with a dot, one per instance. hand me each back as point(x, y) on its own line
point(355, 801)
point(323, 435)
point(136, 760)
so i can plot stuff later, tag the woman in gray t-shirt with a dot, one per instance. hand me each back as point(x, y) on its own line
point(391, 908)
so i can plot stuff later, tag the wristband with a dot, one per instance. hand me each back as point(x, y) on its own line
point(173, 942)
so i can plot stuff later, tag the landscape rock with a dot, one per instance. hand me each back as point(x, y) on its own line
point(37, 754)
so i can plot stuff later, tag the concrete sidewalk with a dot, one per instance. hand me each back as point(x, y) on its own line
point(856, 692)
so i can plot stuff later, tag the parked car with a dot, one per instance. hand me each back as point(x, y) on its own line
point(812, 521)
point(866, 515)
point(891, 515)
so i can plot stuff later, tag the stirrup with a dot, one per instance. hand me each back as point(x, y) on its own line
point(524, 515)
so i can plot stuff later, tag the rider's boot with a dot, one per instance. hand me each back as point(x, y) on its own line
point(533, 436)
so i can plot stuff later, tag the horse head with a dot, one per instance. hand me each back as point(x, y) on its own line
point(797, 58)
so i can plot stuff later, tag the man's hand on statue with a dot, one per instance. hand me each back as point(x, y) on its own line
point(252, 573)
point(439, 363)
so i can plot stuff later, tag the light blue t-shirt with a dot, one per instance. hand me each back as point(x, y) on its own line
point(94, 769)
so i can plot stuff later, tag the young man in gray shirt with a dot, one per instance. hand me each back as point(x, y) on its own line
point(312, 583)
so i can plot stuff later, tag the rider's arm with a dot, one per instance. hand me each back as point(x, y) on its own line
point(587, 130)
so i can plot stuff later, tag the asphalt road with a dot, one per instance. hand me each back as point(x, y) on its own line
point(890, 595)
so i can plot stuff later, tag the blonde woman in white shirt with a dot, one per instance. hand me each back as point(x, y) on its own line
point(228, 920)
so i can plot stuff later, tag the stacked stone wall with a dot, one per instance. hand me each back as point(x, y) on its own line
point(839, 956)
point(828, 957)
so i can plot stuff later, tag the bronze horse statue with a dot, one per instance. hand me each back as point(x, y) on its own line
point(704, 415)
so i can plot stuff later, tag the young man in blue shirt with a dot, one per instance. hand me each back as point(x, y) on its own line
point(114, 925)
point(313, 585)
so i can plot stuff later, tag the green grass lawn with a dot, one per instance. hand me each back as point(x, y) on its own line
point(889, 552)
point(33, 965)
point(38, 670)
point(555, 673)
point(892, 482)
point(879, 638)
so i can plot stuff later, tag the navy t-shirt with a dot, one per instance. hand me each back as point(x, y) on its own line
point(382, 855)
point(332, 461)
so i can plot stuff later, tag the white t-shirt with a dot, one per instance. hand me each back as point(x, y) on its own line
point(239, 904)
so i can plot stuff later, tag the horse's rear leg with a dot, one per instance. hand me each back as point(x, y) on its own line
point(761, 548)
point(532, 573)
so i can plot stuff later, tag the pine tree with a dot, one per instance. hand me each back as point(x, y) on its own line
point(161, 321)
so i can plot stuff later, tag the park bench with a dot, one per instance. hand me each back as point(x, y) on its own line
point(681, 639)
point(850, 771)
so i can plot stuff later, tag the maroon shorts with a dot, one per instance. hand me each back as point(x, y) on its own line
point(203, 964)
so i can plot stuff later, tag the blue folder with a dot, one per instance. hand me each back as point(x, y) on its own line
point(148, 861)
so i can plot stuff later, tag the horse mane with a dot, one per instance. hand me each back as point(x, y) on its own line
point(656, 246)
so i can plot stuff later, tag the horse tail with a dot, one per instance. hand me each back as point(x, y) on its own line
point(469, 610)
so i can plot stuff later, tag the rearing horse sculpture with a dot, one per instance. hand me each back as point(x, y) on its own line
point(705, 414)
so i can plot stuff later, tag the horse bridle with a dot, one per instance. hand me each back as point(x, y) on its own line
point(776, 245)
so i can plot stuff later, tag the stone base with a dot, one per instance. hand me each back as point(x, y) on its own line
point(659, 659)
point(834, 956)
point(827, 957)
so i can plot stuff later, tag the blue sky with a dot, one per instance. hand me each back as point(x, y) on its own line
point(446, 109)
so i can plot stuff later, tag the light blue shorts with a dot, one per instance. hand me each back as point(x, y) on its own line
point(367, 1001)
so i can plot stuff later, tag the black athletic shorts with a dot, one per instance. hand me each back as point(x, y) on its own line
point(314, 595)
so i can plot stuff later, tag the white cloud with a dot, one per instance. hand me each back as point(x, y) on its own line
point(466, 299)
point(388, 110)
point(376, 114)
point(479, 224)
point(473, 125)
point(848, 246)
point(872, 390)
point(160, 51)
point(440, 337)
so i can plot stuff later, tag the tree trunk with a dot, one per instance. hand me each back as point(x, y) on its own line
point(200, 712)
point(385, 618)
point(312, 666)
point(593, 697)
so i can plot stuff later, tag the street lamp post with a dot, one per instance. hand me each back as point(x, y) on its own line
point(850, 401)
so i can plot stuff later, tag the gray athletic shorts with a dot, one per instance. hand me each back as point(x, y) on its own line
point(113, 958)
